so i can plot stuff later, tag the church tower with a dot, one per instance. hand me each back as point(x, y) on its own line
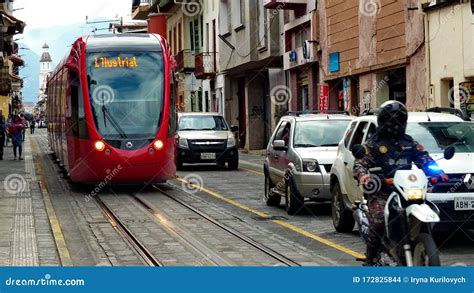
point(46, 67)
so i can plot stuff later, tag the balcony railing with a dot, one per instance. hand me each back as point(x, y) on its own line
point(185, 61)
point(165, 5)
point(140, 9)
point(205, 65)
point(284, 4)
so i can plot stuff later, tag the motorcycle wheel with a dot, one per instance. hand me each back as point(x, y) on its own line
point(425, 252)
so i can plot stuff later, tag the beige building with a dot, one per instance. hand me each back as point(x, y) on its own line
point(450, 31)
point(251, 57)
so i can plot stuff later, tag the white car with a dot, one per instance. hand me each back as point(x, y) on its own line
point(435, 131)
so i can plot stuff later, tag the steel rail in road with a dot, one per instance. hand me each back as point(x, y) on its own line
point(122, 229)
point(261, 247)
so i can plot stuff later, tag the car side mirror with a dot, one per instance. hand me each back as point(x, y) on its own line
point(280, 145)
point(359, 151)
point(449, 153)
point(234, 128)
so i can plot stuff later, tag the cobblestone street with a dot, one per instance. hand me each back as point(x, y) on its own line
point(224, 222)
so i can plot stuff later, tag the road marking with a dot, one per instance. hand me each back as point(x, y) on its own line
point(58, 235)
point(278, 222)
point(251, 171)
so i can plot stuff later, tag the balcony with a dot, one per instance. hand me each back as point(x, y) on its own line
point(296, 57)
point(185, 61)
point(205, 65)
point(166, 5)
point(284, 4)
point(140, 9)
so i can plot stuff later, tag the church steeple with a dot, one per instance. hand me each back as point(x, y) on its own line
point(46, 67)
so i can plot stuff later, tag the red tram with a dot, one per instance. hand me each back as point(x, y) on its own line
point(111, 109)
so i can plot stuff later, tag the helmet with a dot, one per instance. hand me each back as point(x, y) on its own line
point(392, 119)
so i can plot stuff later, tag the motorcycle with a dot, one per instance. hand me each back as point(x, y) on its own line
point(409, 217)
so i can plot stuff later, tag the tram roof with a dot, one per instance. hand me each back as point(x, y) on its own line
point(123, 42)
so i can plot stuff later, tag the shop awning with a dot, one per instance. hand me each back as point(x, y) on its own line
point(13, 25)
point(17, 61)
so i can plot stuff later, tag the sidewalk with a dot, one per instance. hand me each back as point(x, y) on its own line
point(254, 158)
point(27, 239)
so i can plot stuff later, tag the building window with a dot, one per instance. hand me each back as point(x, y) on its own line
point(262, 25)
point(237, 14)
point(472, 10)
point(224, 18)
point(301, 37)
point(180, 38)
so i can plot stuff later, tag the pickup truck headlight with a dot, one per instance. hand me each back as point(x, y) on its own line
point(310, 165)
point(231, 141)
point(183, 143)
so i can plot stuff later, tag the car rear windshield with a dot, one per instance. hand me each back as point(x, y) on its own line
point(198, 122)
point(319, 133)
point(437, 136)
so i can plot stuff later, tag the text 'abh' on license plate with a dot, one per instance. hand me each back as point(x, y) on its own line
point(463, 204)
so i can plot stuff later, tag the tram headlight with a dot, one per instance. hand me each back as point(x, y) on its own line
point(231, 141)
point(99, 145)
point(158, 144)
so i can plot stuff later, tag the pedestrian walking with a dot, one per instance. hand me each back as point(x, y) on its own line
point(3, 134)
point(32, 126)
point(25, 126)
point(16, 129)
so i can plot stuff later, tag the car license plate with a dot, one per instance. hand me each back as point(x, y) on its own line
point(463, 204)
point(208, 156)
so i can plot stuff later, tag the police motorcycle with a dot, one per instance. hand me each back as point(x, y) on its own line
point(409, 216)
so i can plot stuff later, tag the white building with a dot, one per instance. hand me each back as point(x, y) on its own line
point(46, 67)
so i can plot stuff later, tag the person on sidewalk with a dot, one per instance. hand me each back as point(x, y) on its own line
point(32, 126)
point(3, 134)
point(16, 129)
point(25, 126)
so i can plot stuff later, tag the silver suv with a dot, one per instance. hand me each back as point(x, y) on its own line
point(299, 157)
point(206, 138)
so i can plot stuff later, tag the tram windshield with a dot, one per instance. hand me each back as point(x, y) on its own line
point(126, 93)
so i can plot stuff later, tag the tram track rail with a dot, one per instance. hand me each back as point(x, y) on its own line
point(257, 245)
point(128, 235)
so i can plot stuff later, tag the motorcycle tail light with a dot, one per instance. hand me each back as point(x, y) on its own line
point(389, 181)
point(434, 180)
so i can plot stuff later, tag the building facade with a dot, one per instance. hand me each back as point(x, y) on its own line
point(10, 61)
point(251, 59)
point(373, 51)
point(450, 30)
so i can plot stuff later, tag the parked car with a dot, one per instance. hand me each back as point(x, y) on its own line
point(206, 138)
point(434, 130)
point(299, 157)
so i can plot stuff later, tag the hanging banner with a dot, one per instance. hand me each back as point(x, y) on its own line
point(324, 98)
point(347, 93)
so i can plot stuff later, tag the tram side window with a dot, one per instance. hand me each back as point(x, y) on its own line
point(79, 122)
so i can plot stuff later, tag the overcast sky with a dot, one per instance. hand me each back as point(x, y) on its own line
point(59, 23)
point(47, 14)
